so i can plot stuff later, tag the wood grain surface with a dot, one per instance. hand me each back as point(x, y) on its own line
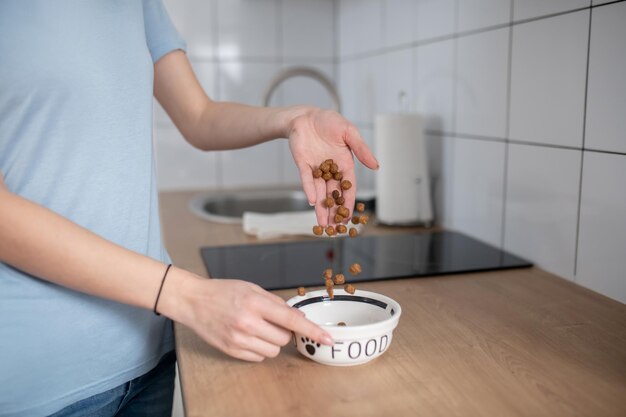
point(511, 343)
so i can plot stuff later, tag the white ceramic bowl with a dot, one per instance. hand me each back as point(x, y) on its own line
point(370, 319)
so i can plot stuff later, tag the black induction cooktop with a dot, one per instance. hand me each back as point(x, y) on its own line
point(294, 264)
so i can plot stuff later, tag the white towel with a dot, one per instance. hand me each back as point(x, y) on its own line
point(267, 226)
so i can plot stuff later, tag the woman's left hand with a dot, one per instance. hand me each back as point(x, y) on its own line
point(317, 135)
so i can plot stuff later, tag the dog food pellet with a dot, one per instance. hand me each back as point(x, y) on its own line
point(338, 218)
point(355, 269)
point(329, 162)
point(360, 207)
point(350, 289)
point(318, 230)
point(353, 232)
point(341, 228)
point(325, 167)
point(329, 202)
point(363, 219)
point(330, 231)
point(327, 176)
point(341, 323)
point(301, 291)
point(317, 173)
point(346, 185)
point(328, 273)
point(338, 176)
point(340, 279)
point(329, 288)
point(339, 201)
point(336, 194)
point(343, 211)
point(355, 219)
point(334, 168)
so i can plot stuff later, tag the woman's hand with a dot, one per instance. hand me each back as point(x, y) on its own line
point(316, 135)
point(237, 317)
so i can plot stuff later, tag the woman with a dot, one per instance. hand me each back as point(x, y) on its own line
point(86, 291)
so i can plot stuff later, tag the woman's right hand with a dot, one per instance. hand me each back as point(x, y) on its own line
point(237, 317)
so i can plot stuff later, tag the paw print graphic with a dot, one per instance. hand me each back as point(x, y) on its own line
point(309, 345)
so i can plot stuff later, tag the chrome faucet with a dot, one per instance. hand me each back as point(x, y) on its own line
point(303, 72)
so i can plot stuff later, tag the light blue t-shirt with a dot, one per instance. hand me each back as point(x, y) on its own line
point(76, 137)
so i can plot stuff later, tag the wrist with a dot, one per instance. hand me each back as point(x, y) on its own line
point(286, 117)
point(176, 295)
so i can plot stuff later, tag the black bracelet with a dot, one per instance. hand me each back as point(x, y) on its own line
point(160, 289)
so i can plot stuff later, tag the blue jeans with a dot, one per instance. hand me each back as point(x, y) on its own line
point(150, 394)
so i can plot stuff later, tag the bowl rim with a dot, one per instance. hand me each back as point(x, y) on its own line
point(349, 332)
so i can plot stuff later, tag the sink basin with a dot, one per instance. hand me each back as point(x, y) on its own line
point(229, 206)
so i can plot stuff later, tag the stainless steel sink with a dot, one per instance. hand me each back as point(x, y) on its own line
point(229, 206)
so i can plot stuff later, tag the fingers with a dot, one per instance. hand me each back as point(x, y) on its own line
point(245, 355)
point(291, 320)
point(308, 184)
point(272, 334)
point(363, 153)
point(268, 295)
point(321, 211)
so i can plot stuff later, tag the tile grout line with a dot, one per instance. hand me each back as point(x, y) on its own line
point(442, 38)
point(582, 152)
point(507, 130)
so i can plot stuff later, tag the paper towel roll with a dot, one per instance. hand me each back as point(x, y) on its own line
point(402, 183)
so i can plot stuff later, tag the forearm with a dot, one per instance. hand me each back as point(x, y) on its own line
point(224, 125)
point(47, 245)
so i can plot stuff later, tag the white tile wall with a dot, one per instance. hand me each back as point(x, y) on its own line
point(542, 206)
point(548, 79)
point(399, 17)
point(606, 99)
point(527, 9)
point(398, 82)
point(248, 28)
point(307, 30)
point(477, 14)
point(435, 18)
point(602, 237)
point(362, 88)
point(360, 26)
point(434, 84)
point(195, 21)
point(482, 71)
point(180, 165)
point(476, 189)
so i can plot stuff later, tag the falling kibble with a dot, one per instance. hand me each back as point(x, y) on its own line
point(360, 207)
point(355, 269)
point(328, 273)
point(349, 288)
point(318, 230)
point(353, 232)
point(329, 288)
point(340, 279)
point(341, 229)
point(301, 291)
point(330, 231)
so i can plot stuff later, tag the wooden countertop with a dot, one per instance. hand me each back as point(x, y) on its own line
point(510, 343)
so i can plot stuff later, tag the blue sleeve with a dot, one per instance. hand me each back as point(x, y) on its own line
point(161, 35)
